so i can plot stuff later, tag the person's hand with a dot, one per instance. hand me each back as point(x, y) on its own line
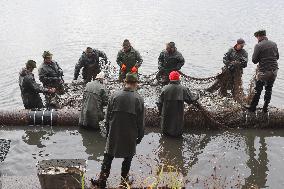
point(138, 140)
point(123, 67)
point(134, 69)
point(51, 90)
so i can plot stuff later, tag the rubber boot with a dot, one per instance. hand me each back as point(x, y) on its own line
point(258, 88)
point(125, 179)
point(267, 97)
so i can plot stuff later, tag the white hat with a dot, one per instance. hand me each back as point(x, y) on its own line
point(100, 75)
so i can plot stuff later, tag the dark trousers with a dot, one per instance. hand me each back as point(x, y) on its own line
point(258, 89)
point(106, 166)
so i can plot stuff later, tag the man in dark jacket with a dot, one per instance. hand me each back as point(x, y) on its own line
point(168, 61)
point(50, 74)
point(171, 105)
point(125, 129)
point(30, 89)
point(266, 55)
point(94, 99)
point(90, 62)
point(128, 59)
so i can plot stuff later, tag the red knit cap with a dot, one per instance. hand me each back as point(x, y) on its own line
point(174, 76)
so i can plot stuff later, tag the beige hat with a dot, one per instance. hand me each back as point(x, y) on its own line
point(100, 75)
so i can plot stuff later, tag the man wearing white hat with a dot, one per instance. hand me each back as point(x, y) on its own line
point(95, 97)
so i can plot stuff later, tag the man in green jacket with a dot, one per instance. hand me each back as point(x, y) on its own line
point(169, 60)
point(265, 55)
point(30, 89)
point(171, 105)
point(95, 97)
point(125, 129)
point(128, 59)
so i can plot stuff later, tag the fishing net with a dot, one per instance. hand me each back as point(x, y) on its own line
point(4, 148)
point(220, 96)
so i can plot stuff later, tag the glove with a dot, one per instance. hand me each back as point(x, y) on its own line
point(138, 140)
point(134, 69)
point(231, 67)
point(123, 67)
point(51, 90)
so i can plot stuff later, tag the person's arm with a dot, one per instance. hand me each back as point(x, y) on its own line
point(140, 120)
point(139, 60)
point(277, 53)
point(255, 55)
point(226, 58)
point(244, 60)
point(161, 60)
point(189, 98)
point(78, 67)
point(180, 62)
point(104, 97)
point(160, 102)
point(108, 115)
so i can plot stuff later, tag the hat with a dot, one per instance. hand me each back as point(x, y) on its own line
point(241, 41)
point(260, 33)
point(174, 76)
point(131, 78)
point(46, 54)
point(172, 44)
point(126, 42)
point(100, 75)
point(31, 64)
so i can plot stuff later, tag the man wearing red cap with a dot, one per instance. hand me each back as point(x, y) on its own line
point(171, 105)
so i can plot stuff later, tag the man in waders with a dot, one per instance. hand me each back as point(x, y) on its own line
point(95, 97)
point(265, 55)
point(90, 62)
point(50, 74)
point(128, 59)
point(231, 78)
point(125, 129)
point(171, 105)
point(30, 89)
point(169, 60)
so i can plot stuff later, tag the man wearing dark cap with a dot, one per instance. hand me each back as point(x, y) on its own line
point(125, 129)
point(265, 55)
point(169, 60)
point(90, 62)
point(50, 74)
point(171, 105)
point(235, 60)
point(30, 89)
point(128, 59)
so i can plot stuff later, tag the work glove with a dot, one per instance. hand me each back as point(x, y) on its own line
point(138, 140)
point(231, 67)
point(123, 67)
point(134, 69)
point(51, 90)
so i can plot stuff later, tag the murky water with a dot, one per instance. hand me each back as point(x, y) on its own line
point(202, 30)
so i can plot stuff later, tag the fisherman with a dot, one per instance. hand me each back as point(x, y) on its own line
point(50, 74)
point(265, 55)
point(125, 129)
point(169, 60)
point(128, 59)
point(30, 89)
point(231, 77)
point(94, 99)
point(171, 105)
point(90, 62)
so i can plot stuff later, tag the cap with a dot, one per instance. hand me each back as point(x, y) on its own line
point(31, 64)
point(131, 78)
point(46, 54)
point(241, 41)
point(100, 75)
point(260, 33)
point(174, 76)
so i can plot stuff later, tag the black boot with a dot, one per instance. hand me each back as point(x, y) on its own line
point(267, 97)
point(258, 88)
point(125, 179)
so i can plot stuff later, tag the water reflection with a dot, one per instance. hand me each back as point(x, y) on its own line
point(32, 137)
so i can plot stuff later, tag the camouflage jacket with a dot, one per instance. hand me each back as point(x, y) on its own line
point(170, 62)
point(50, 74)
point(130, 59)
point(240, 56)
point(266, 54)
point(86, 62)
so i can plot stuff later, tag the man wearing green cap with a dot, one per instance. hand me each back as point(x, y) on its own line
point(50, 74)
point(30, 89)
point(169, 60)
point(125, 129)
point(265, 55)
point(128, 59)
point(90, 62)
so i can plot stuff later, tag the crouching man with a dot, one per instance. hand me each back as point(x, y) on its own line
point(94, 99)
point(125, 129)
